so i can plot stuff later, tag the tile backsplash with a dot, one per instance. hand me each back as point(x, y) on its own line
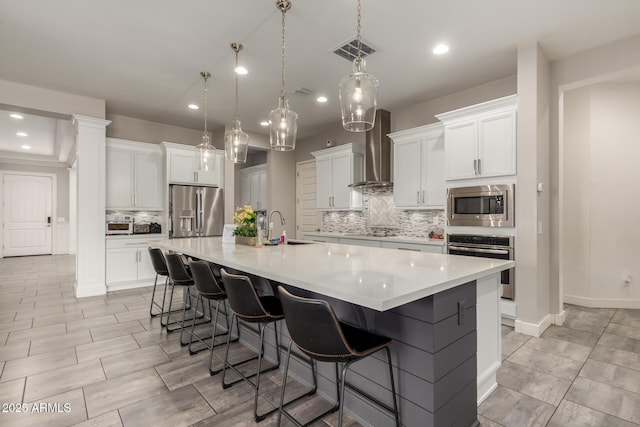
point(380, 215)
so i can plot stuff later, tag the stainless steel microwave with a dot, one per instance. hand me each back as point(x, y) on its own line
point(481, 206)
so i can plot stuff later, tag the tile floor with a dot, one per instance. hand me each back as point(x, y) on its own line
point(102, 361)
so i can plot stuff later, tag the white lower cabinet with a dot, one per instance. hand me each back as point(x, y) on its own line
point(323, 239)
point(436, 249)
point(128, 263)
point(361, 242)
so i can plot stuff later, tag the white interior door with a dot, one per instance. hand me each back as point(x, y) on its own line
point(306, 213)
point(27, 214)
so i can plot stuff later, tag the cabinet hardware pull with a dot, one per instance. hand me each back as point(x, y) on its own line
point(423, 191)
point(475, 166)
point(479, 168)
point(417, 197)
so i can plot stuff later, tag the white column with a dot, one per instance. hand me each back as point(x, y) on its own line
point(91, 181)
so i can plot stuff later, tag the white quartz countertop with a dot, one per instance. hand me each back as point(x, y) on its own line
point(399, 239)
point(377, 278)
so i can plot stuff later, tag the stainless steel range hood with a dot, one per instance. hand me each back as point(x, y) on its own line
point(377, 154)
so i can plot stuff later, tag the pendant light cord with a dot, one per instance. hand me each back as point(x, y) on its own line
point(284, 57)
point(205, 75)
point(358, 28)
point(237, 107)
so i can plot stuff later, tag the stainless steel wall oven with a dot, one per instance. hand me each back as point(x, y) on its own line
point(500, 247)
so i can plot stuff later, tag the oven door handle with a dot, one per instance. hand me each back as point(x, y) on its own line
point(479, 250)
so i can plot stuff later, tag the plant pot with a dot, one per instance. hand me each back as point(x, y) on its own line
point(247, 241)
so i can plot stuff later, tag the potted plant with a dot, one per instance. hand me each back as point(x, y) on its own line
point(246, 230)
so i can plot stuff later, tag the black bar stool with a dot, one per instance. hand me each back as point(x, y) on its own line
point(317, 332)
point(210, 289)
point(178, 276)
point(160, 267)
point(261, 310)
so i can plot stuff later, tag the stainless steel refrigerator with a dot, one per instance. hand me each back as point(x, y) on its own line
point(195, 211)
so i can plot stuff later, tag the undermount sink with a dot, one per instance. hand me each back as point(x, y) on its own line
point(298, 242)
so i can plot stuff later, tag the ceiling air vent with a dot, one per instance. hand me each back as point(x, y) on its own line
point(301, 91)
point(349, 51)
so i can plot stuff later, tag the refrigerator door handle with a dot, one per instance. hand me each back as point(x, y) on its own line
point(197, 229)
point(200, 215)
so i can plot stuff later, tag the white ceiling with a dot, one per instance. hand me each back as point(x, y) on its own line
point(144, 57)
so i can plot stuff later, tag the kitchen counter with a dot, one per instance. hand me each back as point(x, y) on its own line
point(379, 279)
point(435, 307)
point(398, 239)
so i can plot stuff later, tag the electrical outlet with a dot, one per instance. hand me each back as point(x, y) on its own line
point(436, 220)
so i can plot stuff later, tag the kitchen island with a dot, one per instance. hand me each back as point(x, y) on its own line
point(441, 310)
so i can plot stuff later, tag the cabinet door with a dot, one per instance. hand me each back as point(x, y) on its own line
point(324, 183)
point(122, 265)
point(433, 186)
point(406, 173)
point(497, 145)
point(245, 189)
point(181, 166)
point(262, 189)
point(215, 176)
point(119, 179)
point(145, 267)
point(148, 181)
point(360, 242)
point(342, 175)
point(258, 181)
point(461, 150)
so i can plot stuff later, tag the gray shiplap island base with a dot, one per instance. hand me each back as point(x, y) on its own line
point(442, 312)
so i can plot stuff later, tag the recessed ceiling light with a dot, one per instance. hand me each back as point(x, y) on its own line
point(322, 99)
point(16, 116)
point(241, 70)
point(440, 49)
point(21, 134)
point(264, 123)
point(26, 147)
point(193, 107)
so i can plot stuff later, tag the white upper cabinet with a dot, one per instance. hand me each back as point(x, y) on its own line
point(253, 187)
point(336, 169)
point(480, 140)
point(134, 175)
point(418, 167)
point(182, 166)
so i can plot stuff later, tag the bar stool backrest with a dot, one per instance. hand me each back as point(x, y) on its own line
point(314, 327)
point(177, 271)
point(205, 282)
point(158, 262)
point(242, 296)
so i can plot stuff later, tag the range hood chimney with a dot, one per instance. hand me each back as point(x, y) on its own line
point(377, 154)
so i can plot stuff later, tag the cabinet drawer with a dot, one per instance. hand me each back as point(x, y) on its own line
point(436, 249)
point(360, 242)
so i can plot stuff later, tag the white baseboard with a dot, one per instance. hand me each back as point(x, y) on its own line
point(533, 329)
point(90, 290)
point(129, 285)
point(558, 319)
point(487, 382)
point(601, 302)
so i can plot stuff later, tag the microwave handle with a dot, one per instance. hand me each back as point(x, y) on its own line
point(479, 250)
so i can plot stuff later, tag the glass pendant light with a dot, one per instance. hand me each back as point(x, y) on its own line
point(283, 121)
point(358, 93)
point(236, 142)
point(205, 151)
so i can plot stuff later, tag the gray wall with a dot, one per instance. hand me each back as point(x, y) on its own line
point(145, 131)
point(62, 178)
